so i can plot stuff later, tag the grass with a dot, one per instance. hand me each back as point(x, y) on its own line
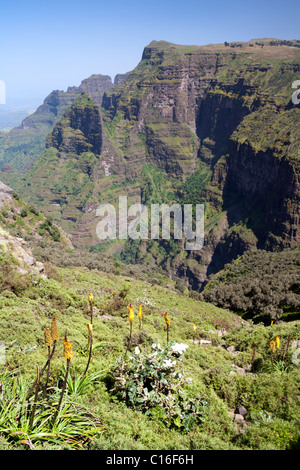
point(103, 421)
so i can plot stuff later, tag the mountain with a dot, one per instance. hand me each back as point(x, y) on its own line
point(208, 124)
point(11, 116)
point(21, 147)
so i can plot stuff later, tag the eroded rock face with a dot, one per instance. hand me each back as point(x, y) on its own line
point(5, 194)
point(20, 250)
point(79, 130)
point(274, 182)
point(95, 86)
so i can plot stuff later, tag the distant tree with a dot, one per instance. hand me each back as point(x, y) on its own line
point(23, 213)
point(261, 284)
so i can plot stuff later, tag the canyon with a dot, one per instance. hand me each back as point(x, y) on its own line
point(212, 125)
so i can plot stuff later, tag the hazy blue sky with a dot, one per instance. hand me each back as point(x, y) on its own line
point(53, 45)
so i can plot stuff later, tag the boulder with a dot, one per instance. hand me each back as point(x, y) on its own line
point(241, 410)
point(239, 419)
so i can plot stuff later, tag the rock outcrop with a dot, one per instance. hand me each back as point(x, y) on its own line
point(21, 252)
point(5, 194)
point(79, 130)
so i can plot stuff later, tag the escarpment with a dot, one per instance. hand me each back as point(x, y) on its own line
point(210, 125)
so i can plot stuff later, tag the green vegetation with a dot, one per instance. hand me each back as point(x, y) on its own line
point(150, 383)
point(195, 184)
point(52, 230)
point(122, 402)
point(223, 374)
point(259, 285)
point(69, 189)
point(25, 221)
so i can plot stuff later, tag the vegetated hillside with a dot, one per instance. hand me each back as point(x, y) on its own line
point(215, 386)
point(212, 124)
point(260, 285)
point(25, 222)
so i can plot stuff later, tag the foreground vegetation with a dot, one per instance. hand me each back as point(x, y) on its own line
point(220, 382)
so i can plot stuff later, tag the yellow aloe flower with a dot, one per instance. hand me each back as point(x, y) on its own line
point(272, 322)
point(167, 319)
point(272, 346)
point(48, 337)
point(140, 312)
point(277, 342)
point(68, 353)
point(195, 328)
point(91, 298)
point(130, 313)
point(54, 329)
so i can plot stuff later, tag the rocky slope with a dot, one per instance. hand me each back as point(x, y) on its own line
point(212, 124)
point(21, 223)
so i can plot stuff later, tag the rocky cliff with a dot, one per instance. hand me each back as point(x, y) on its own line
point(231, 112)
point(79, 130)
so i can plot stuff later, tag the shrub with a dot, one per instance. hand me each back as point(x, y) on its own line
point(23, 213)
point(48, 226)
point(151, 384)
point(33, 210)
point(259, 285)
point(269, 433)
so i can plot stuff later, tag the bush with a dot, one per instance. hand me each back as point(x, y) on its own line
point(23, 213)
point(151, 384)
point(50, 228)
point(33, 210)
point(269, 433)
point(258, 285)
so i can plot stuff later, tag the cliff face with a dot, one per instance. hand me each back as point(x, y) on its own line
point(274, 183)
point(156, 109)
point(231, 111)
point(189, 124)
point(79, 130)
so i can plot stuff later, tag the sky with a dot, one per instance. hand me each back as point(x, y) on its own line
point(46, 46)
